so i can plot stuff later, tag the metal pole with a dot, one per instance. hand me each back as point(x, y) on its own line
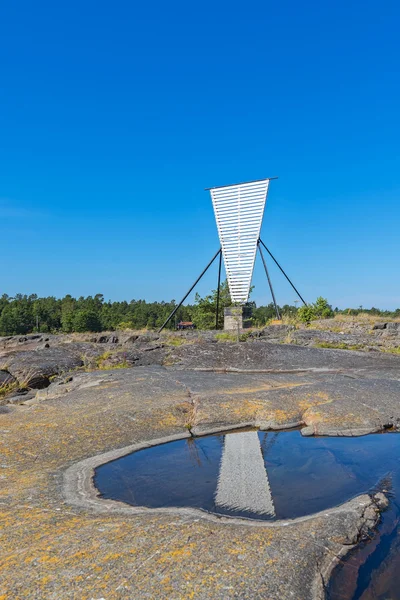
point(219, 282)
point(278, 316)
point(276, 262)
point(193, 286)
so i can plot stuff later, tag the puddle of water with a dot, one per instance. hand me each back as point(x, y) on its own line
point(275, 475)
point(261, 475)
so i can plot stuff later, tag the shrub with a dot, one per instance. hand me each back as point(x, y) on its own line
point(319, 310)
point(123, 325)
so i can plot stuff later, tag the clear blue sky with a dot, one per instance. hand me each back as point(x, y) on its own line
point(114, 117)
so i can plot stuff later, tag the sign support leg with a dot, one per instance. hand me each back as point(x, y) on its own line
point(278, 316)
point(218, 290)
point(186, 295)
point(276, 262)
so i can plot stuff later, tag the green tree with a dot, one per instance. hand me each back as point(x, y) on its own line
point(8, 322)
point(47, 313)
point(68, 306)
point(17, 315)
point(319, 310)
point(263, 314)
point(204, 310)
point(86, 320)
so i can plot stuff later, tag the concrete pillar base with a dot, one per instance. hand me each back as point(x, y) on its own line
point(237, 315)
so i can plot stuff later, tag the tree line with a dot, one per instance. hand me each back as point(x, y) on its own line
point(23, 314)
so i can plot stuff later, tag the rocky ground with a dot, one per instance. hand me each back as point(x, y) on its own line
point(70, 401)
point(33, 361)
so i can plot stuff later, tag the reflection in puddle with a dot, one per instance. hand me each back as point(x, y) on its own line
point(274, 475)
point(243, 481)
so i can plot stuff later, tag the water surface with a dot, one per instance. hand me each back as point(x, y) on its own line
point(251, 474)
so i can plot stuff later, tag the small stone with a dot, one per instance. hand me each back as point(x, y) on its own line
point(381, 500)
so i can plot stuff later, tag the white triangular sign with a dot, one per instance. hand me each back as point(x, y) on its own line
point(239, 211)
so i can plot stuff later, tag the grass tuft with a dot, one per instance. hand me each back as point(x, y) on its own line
point(174, 340)
point(339, 346)
point(7, 388)
point(225, 336)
